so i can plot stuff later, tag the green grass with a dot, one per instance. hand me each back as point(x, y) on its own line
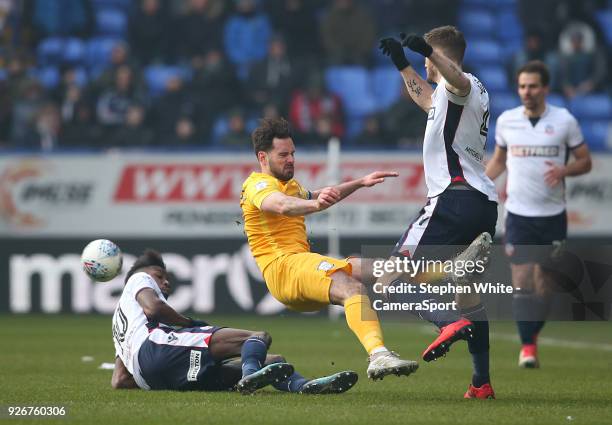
point(40, 357)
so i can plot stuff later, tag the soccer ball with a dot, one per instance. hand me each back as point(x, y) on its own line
point(102, 260)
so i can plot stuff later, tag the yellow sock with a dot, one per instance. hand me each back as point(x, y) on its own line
point(363, 321)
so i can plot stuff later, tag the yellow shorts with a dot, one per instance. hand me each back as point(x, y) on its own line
point(301, 281)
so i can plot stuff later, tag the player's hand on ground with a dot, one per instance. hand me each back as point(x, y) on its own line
point(377, 177)
point(328, 197)
point(554, 174)
point(393, 48)
point(416, 43)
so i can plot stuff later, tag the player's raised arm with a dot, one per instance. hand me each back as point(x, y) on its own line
point(279, 203)
point(456, 81)
point(346, 188)
point(420, 91)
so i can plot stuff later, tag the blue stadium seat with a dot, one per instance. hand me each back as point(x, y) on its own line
point(386, 84)
point(597, 134)
point(476, 4)
point(556, 99)
point(74, 51)
point(605, 22)
point(502, 101)
point(49, 51)
point(352, 84)
point(118, 4)
point(594, 106)
point(49, 76)
point(483, 51)
point(81, 77)
point(156, 77)
point(509, 25)
point(477, 22)
point(354, 126)
point(490, 145)
point(493, 77)
point(111, 22)
point(99, 51)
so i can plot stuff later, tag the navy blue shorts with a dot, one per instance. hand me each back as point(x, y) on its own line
point(172, 359)
point(446, 224)
point(530, 239)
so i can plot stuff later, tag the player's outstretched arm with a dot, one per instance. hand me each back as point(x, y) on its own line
point(279, 203)
point(497, 165)
point(420, 91)
point(157, 310)
point(456, 81)
point(346, 188)
point(122, 379)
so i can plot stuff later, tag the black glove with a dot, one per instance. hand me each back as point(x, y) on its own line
point(195, 323)
point(393, 48)
point(416, 43)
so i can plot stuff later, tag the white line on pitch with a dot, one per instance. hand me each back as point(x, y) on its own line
point(543, 340)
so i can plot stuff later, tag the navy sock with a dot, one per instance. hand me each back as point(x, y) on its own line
point(253, 355)
point(479, 344)
point(293, 384)
point(440, 318)
point(530, 312)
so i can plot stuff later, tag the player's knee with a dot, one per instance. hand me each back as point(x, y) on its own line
point(354, 288)
point(264, 336)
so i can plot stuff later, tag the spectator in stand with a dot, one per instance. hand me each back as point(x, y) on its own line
point(6, 113)
point(82, 130)
point(176, 102)
point(314, 102)
point(46, 131)
point(185, 134)
point(237, 136)
point(133, 133)
point(113, 103)
point(217, 88)
point(535, 49)
point(348, 34)
point(271, 79)
point(322, 131)
point(246, 35)
point(373, 134)
point(296, 21)
point(200, 30)
point(404, 122)
point(583, 64)
point(45, 18)
point(28, 101)
point(68, 94)
point(120, 55)
point(148, 32)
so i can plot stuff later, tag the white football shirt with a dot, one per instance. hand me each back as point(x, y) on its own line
point(455, 138)
point(529, 149)
point(130, 324)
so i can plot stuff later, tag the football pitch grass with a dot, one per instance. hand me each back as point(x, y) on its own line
point(41, 361)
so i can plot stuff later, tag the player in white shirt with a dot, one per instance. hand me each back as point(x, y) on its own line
point(462, 201)
point(159, 349)
point(534, 142)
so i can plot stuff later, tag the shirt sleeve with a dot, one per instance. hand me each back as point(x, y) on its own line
point(141, 281)
point(499, 137)
point(574, 134)
point(259, 188)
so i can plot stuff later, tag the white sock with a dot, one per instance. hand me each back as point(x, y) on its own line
point(379, 350)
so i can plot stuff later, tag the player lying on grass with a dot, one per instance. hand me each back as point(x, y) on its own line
point(159, 349)
point(274, 205)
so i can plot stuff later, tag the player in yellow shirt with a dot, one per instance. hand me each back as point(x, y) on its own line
point(273, 206)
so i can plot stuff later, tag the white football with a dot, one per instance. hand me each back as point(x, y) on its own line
point(102, 260)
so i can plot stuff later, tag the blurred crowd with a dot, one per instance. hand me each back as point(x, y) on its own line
point(174, 73)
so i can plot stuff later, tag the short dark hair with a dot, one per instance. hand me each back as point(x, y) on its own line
point(448, 39)
point(268, 130)
point(149, 258)
point(536, 67)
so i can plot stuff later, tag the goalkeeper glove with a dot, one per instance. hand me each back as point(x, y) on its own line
point(416, 43)
point(393, 48)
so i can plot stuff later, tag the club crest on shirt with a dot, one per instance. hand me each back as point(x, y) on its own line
point(261, 185)
point(325, 266)
point(549, 129)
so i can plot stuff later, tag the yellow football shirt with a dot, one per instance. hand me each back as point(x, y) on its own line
point(271, 235)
